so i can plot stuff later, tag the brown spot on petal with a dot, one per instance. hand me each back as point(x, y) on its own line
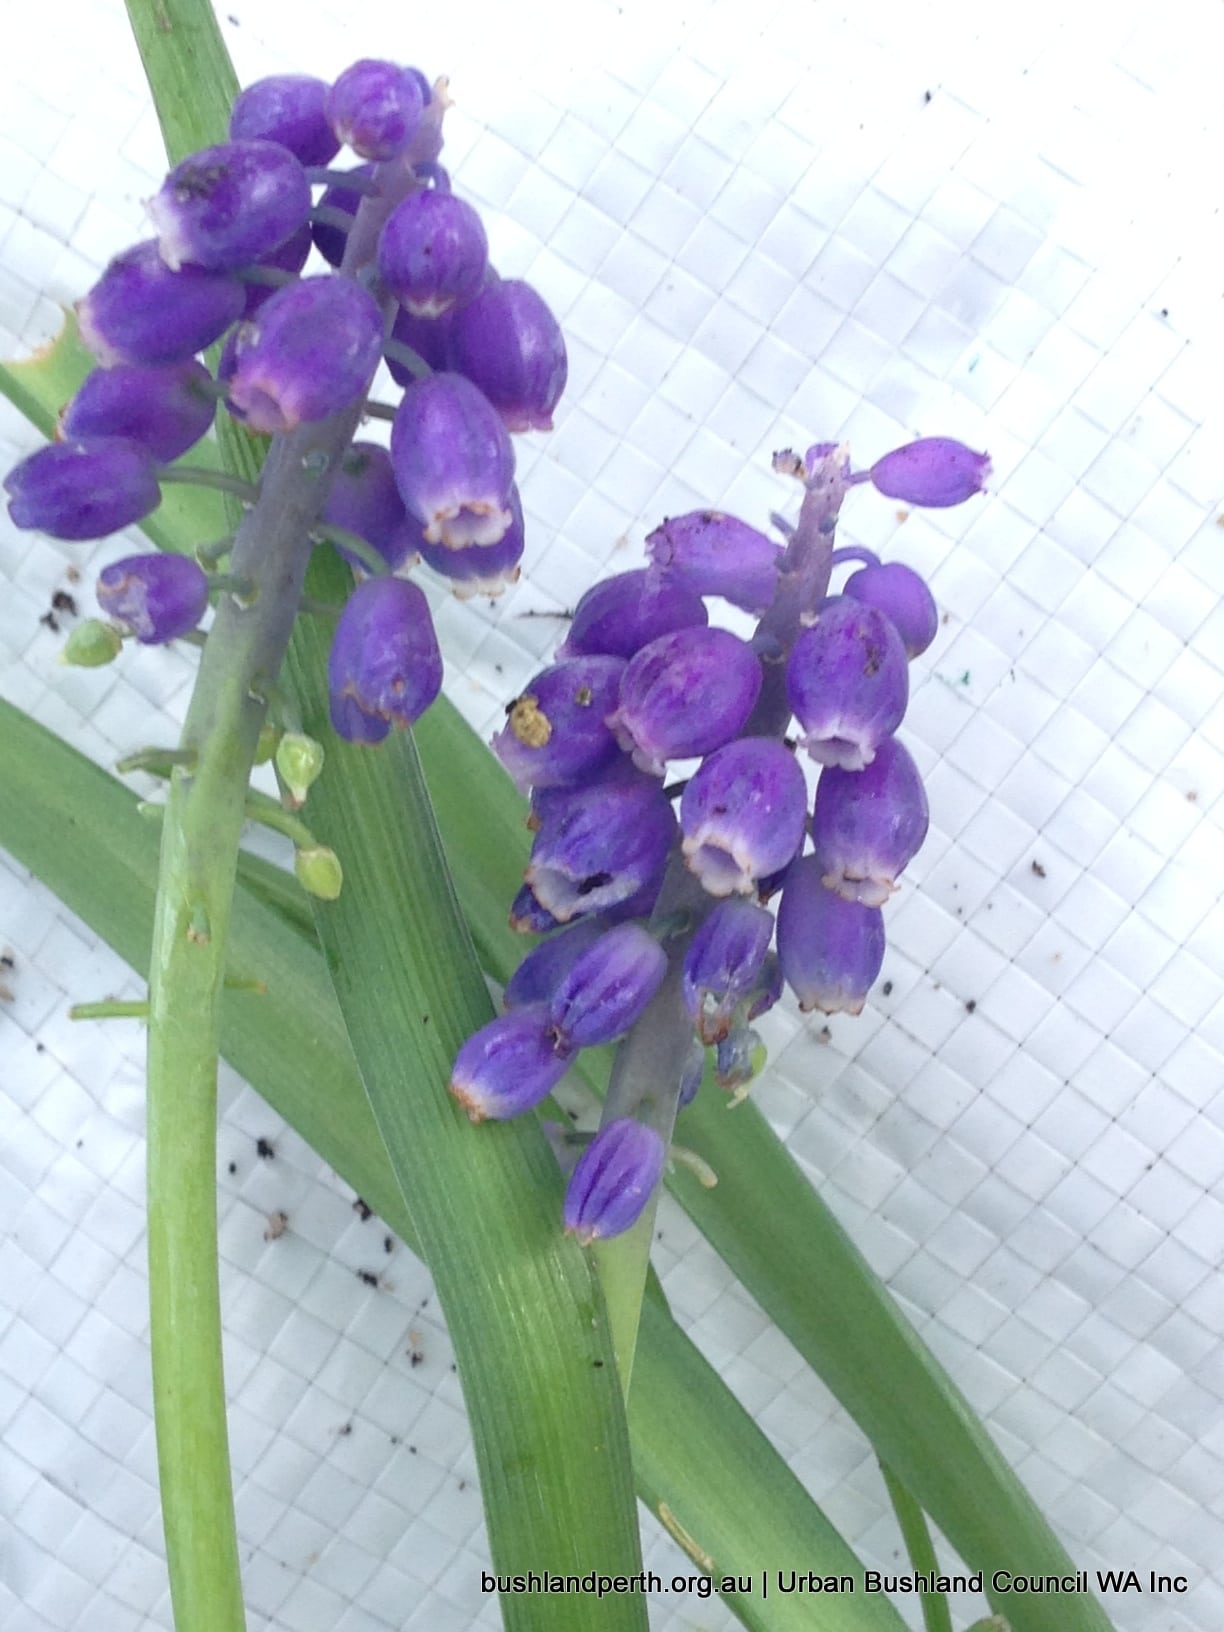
point(529, 723)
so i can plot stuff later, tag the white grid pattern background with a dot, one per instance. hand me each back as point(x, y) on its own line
point(761, 225)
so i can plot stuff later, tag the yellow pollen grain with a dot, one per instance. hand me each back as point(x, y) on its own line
point(529, 723)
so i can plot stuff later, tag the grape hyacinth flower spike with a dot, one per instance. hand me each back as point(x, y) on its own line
point(166, 410)
point(86, 488)
point(230, 205)
point(742, 815)
point(289, 109)
point(868, 825)
point(432, 253)
point(556, 732)
point(375, 107)
point(507, 341)
point(830, 948)
point(140, 311)
point(847, 682)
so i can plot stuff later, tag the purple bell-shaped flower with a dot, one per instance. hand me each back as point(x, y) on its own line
point(619, 615)
point(157, 598)
point(935, 472)
point(598, 846)
point(384, 668)
point(903, 597)
point(830, 948)
point(605, 990)
point(847, 682)
point(140, 311)
point(868, 825)
point(715, 554)
point(85, 488)
point(742, 814)
point(227, 206)
point(555, 732)
point(723, 963)
point(685, 694)
point(432, 252)
point(166, 410)
point(508, 1066)
point(453, 461)
point(308, 353)
point(375, 108)
point(613, 1180)
point(508, 342)
point(289, 109)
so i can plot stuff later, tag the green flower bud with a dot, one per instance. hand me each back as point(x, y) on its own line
point(318, 871)
point(299, 759)
point(92, 644)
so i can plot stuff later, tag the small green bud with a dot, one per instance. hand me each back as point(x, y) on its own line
point(318, 871)
point(269, 736)
point(299, 759)
point(91, 644)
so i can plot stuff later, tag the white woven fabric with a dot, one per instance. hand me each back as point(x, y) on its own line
point(761, 225)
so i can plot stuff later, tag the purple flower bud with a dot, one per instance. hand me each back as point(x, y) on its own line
point(375, 108)
point(479, 569)
point(227, 206)
point(308, 353)
point(85, 488)
point(453, 461)
point(432, 252)
point(935, 471)
point(685, 694)
point(555, 733)
point(742, 814)
point(904, 599)
point(365, 500)
point(715, 554)
point(620, 615)
point(166, 410)
point(508, 1066)
point(331, 241)
point(847, 682)
point(427, 336)
point(289, 109)
point(140, 311)
point(385, 667)
point(830, 948)
point(614, 1179)
point(290, 257)
point(723, 964)
point(541, 971)
point(867, 825)
point(156, 597)
point(607, 988)
point(598, 846)
point(508, 341)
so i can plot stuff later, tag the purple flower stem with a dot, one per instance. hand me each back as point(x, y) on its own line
point(407, 358)
point(803, 582)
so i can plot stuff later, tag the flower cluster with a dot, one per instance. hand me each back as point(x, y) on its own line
point(476, 357)
point(631, 877)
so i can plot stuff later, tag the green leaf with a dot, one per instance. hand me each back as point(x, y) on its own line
point(697, 1454)
point(522, 1304)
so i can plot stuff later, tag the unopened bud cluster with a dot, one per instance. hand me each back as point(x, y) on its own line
point(477, 357)
point(644, 680)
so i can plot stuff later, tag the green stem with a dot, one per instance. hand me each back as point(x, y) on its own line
point(379, 410)
point(373, 563)
point(260, 808)
point(219, 480)
point(936, 1616)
